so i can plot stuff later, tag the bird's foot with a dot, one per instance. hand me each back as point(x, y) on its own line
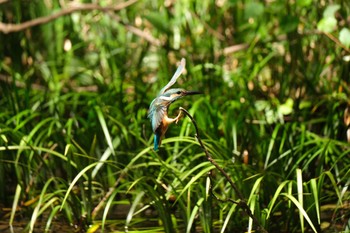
point(178, 117)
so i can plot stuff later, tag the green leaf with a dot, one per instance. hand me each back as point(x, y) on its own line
point(301, 209)
point(276, 195)
point(289, 23)
point(304, 2)
point(232, 209)
point(15, 203)
point(330, 11)
point(300, 196)
point(159, 21)
point(287, 107)
point(105, 128)
point(253, 10)
point(344, 37)
point(327, 24)
point(193, 214)
point(315, 194)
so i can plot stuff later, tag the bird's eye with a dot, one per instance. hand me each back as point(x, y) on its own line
point(179, 92)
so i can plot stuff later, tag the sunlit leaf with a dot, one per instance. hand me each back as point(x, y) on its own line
point(301, 210)
point(193, 215)
point(253, 10)
point(344, 36)
point(327, 24)
point(300, 196)
point(304, 3)
point(287, 107)
point(330, 10)
point(15, 204)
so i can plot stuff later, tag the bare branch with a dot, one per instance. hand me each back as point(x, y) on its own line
point(138, 32)
point(9, 28)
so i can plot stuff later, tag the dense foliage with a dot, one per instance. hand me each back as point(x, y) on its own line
point(76, 144)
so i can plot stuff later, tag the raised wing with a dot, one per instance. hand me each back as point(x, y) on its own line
point(177, 74)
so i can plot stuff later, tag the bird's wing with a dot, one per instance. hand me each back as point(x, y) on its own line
point(177, 74)
point(156, 113)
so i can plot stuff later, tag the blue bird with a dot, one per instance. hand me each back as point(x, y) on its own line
point(158, 110)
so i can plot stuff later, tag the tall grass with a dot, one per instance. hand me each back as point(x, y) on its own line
point(76, 146)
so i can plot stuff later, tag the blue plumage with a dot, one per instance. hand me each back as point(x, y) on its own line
point(156, 141)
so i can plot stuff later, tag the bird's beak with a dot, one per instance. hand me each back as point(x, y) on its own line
point(193, 92)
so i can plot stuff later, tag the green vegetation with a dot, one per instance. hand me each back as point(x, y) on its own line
point(76, 145)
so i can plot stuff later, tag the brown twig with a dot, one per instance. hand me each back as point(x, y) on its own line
point(102, 203)
point(138, 32)
point(336, 41)
point(241, 203)
point(9, 28)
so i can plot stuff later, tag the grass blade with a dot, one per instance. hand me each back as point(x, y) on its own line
point(227, 220)
point(80, 174)
point(193, 215)
point(300, 196)
point(275, 196)
point(15, 203)
point(104, 128)
point(315, 194)
point(301, 210)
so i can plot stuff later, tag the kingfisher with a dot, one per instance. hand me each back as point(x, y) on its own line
point(158, 110)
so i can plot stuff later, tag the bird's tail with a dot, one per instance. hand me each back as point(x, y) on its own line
point(157, 141)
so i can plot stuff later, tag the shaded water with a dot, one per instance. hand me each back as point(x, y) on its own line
point(148, 222)
point(149, 225)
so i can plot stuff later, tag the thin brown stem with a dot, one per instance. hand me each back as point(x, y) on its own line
point(241, 203)
point(102, 203)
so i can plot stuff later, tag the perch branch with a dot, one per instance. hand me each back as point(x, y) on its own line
point(241, 203)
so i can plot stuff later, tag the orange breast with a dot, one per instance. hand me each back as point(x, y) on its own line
point(164, 124)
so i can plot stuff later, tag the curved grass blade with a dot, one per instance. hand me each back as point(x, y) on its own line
point(255, 188)
point(43, 149)
point(80, 174)
point(193, 215)
point(105, 157)
point(107, 207)
point(275, 196)
point(194, 179)
point(314, 192)
point(335, 186)
point(161, 204)
point(252, 203)
point(15, 203)
point(104, 128)
point(36, 211)
point(301, 209)
point(300, 196)
point(253, 199)
point(229, 214)
point(51, 217)
point(51, 200)
point(271, 145)
point(184, 175)
point(136, 201)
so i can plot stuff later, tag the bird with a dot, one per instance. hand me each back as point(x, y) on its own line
point(158, 110)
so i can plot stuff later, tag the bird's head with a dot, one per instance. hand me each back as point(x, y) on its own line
point(172, 95)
